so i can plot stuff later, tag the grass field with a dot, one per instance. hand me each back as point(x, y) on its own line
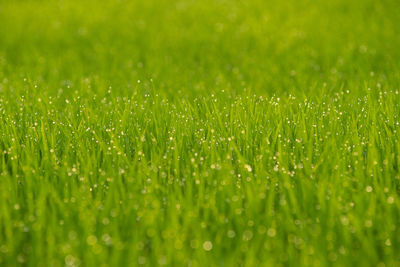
point(200, 133)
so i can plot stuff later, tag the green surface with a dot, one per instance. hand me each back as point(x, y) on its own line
point(200, 133)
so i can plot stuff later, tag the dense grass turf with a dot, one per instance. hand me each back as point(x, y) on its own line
point(200, 133)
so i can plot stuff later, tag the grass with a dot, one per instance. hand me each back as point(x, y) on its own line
point(195, 133)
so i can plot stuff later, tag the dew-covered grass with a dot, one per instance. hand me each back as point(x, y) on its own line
point(199, 133)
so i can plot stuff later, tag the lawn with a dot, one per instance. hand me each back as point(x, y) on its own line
point(199, 133)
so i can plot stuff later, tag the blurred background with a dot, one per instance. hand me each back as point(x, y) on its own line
point(197, 47)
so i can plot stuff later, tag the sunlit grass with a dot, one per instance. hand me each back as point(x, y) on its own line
point(195, 133)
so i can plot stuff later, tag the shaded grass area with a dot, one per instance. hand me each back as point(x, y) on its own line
point(197, 46)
